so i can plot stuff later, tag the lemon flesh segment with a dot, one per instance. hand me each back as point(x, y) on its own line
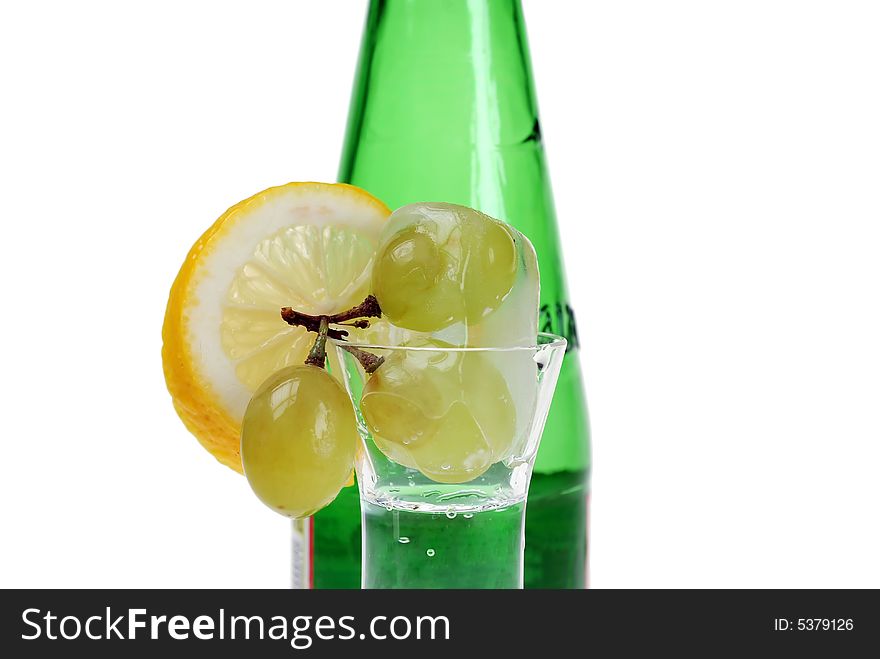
point(304, 245)
point(316, 270)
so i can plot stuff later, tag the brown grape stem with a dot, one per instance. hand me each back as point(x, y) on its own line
point(318, 353)
point(368, 360)
point(369, 308)
point(354, 317)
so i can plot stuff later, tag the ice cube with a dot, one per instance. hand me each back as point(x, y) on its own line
point(458, 275)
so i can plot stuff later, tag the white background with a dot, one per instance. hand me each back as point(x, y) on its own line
point(716, 169)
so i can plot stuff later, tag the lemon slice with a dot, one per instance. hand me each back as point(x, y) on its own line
point(305, 245)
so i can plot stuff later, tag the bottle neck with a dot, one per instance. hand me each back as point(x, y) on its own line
point(448, 80)
point(443, 14)
point(448, 26)
point(464, 60)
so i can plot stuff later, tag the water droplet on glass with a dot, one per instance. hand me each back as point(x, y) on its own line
point(403, 540)
point(430, 552)
point(468, 515)
point(451, 514)
point(389, 507)
point(446, 467)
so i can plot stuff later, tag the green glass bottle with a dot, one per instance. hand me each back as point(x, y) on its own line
point(444, 109)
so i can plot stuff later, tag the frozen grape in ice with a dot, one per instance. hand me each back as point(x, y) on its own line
point(447, 412)
point(439, 264)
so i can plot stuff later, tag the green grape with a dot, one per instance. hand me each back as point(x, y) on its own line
point(402, 401)
point(396, 452)
point(458, 451)
point(489, 258)
point(491, 403)
point(447, 413)
point(439, 264)
point(298, 440)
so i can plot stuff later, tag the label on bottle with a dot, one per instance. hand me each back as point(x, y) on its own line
point(558, 318)
point(303, 554)
point(587, 553)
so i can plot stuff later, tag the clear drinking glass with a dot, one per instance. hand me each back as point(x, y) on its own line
point(447, 508)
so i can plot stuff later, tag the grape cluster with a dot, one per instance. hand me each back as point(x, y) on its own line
point(446, 412)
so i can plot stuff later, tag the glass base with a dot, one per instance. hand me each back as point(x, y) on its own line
point(420, 549)
point(556, 535)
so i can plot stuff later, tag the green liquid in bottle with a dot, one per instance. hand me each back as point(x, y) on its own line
point(444, 109)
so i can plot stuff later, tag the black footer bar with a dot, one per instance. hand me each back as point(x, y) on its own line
point(171, 623)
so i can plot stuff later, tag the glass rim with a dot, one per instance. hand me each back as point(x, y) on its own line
point(552, 341)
